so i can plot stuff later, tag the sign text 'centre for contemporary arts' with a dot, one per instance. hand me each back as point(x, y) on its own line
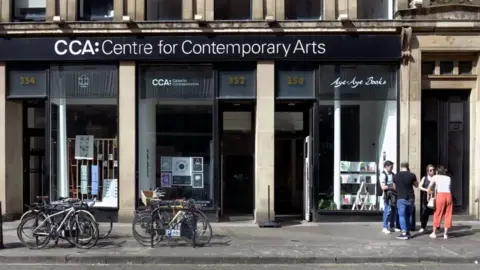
point(187, 47)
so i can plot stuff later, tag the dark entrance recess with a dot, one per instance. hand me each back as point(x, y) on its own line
point(35, 182)
point(291, 129)
point(445, 139)
point(237, 148)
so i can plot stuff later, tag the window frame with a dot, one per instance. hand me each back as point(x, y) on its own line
point(16, 18)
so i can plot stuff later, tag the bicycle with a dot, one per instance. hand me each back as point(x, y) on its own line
point(160, 224)
point(71, 224)
point(86, 205)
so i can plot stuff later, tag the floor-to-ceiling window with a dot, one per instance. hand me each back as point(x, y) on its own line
point(175, 131)
point(357, 134)
point(83, 133)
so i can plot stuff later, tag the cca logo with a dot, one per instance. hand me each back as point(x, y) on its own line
point(161, 82)
point(75, 47)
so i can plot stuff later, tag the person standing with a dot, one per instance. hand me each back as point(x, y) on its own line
point(389, 198)
point(404, 182)
point(425, 196)
point(443, 201)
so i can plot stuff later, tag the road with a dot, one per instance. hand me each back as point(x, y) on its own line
point(241, 267)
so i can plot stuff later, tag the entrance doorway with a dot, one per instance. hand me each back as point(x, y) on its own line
point(237, 160)
point(445, 139)
point(292, 127)
point(35, 182)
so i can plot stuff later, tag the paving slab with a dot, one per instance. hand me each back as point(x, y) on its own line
point(314, 243)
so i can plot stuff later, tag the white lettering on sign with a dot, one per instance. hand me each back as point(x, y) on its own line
point(174, 82)
point(354, 83)
point(187, 47)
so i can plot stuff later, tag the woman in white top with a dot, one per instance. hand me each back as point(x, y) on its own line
point(443, 201)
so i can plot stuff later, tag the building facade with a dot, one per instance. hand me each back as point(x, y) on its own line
point(253, 108)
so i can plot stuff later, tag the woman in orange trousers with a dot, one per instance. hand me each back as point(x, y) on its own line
point(443, 201)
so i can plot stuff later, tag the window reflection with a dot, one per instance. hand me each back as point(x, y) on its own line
point(233, 9)
point(163, 10)
point(303, 9)
point(95, 10)
point(29, 10)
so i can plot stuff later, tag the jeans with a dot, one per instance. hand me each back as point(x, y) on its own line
point(388, 216)
point(405, 209)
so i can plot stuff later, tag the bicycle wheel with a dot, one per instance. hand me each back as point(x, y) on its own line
point(142, 230)
point(40, 231)
point(83, 230)
point(203, 233)
point(105, 228)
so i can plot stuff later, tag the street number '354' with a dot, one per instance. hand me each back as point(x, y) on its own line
point(27, 80)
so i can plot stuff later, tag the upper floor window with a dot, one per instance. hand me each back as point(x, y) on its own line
point(29, 10)
point(95, 10)
point(163, 10)
point(303, 9)
point(376, 9)
point(233, 9)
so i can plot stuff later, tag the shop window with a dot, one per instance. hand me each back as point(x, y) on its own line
point(175, 132)
point(84, 127)
point(465, 67)
point(163, 10)
point(233, 9)
point(29, 10)
point(356, 137)
point(95, 10)
point(446, 67)
point(303, 9)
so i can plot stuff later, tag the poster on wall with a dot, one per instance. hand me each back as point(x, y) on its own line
point(181, 166)
point(94, 171)
point(166, 178)
point(84, 147)
point(197, 180)
point(109, 193)
point(197, 164)
point(84, 179)
point(185, 181)
point(166, 164)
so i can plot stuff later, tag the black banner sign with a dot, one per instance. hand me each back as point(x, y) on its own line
point(312, 47)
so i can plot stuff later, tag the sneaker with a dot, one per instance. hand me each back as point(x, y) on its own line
point(432, 235)
point(397, 230)
point(386, 231)
point(445, 236)
point(421, 230)
point(403, 236)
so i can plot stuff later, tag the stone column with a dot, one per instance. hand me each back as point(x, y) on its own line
point(126, 136)
point(71, 10)
point(280, 10)
point(414, 115)
point(11, 145)
point(50, 10)
point(330, 10)
point(187, 10)
point(352, 9)
point(475, 145)
point(5, 8)
point(257, 9)
point(209, 10)
point(118, 9)
point(265, 141)
point(139, 7)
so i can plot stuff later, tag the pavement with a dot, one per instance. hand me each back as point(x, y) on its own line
point(246, 243)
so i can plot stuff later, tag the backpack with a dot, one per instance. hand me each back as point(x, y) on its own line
point(389, 196)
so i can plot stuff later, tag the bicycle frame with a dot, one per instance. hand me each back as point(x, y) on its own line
point(69, 212)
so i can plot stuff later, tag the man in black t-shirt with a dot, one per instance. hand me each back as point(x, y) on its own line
point(404, 182)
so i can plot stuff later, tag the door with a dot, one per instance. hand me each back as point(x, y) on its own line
point(35, 183)
point(307, 182)
point(445, 139)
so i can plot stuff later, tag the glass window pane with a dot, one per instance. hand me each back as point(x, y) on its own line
point(237, 84)
point(95, 10)
point(233, 9)
point(178, 137)
point(355, 139)
point(303, 9)
point(163, 10)
point(29, 10)
point(295, 83)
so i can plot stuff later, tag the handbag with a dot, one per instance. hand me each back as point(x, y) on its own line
point(431, 203)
